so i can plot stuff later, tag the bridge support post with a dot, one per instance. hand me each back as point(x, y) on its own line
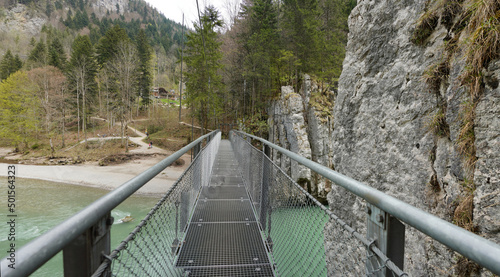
point(389, 236)
point(265, 208)
point(83, 256)
point(176, 243)
point(196, 150)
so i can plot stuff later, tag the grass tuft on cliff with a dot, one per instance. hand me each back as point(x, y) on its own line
point(467, 137)
point(427, 24)
point(474, 36)
point(438, 125)
point(446, 10)
point(436, 74)
point(474, 29)
point(482, 44)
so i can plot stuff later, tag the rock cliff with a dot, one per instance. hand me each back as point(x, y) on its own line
point(102, 6)
point(302, 122)
point(21, 20)
point(385, 130)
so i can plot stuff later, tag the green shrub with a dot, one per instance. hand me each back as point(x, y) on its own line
point(153, 129)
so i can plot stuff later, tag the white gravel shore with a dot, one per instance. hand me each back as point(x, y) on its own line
point(107, 177)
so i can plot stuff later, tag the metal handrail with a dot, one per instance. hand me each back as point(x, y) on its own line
point(37, 252)
point(369, 244)
point(482, 251)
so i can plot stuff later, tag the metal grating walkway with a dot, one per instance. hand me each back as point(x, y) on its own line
point(223, 237)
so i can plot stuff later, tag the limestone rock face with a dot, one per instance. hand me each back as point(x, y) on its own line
point(20, 21)
point(382, 135)
point(487, 171)
point(290, 132)
point(297, 124)
point(102, 6)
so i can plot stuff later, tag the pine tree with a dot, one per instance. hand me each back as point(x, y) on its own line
point(272, 43)
point(38, 55)
point(203, 59)
point(121, 72)
point(302, 28)
point(9, 65)
point(48, 8)
point(57, 57)
point(107, 46)
point(32, 42)
point(17, 64)
point(5, 65)
point(334, 29)
point(145, 56)
point(261, 42)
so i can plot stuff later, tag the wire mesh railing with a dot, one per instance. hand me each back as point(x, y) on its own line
point(376, 248)
point(304, 237)
point(295, 225)
point(151, 248)
point(85, 237)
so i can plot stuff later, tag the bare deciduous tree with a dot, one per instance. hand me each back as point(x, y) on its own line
point(123, 67)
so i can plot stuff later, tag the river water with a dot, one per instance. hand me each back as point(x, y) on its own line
point(41, 205)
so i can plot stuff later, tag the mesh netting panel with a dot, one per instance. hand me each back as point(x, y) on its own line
point(223, 238)
point(151, 248)
point(304, 235)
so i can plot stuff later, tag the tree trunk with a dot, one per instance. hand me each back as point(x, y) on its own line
point(51, 149)
point(78, 108)
point(84, 116)
point(63, 126)
point(108, 114)
point(126, 138)
point(100, 100)
point(122, 129)
point(244, 99)
point(253, 97)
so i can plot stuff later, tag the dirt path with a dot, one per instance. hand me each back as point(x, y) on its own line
point(143, 147)
point(5, 150)
point(194, 126)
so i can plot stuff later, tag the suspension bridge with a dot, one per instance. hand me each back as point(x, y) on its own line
point(234, 212)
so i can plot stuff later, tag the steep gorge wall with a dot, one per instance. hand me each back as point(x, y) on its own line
point(382, 131)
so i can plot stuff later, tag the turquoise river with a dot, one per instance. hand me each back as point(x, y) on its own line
point(41, 205)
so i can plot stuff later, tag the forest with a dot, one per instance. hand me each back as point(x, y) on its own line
point(233, 73)
point(81, 67)
point(233, 70)
point(103, 79)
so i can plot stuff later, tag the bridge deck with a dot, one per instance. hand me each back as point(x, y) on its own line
point(223, 237)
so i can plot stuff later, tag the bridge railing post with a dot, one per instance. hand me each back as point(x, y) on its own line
point(388, 233)
point(265, 207)
point(196, 149)
point(84, 255)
